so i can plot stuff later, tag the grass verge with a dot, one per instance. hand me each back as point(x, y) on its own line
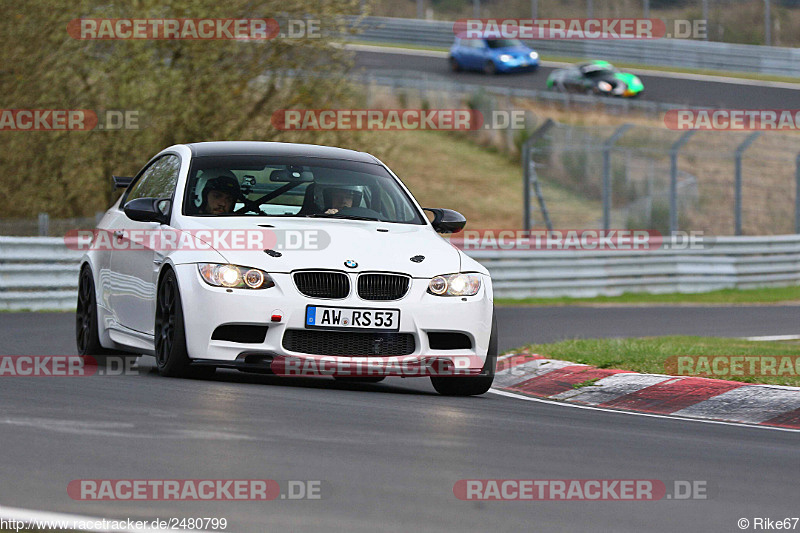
point(444, 170)
point(767, 295)
point(650, 355)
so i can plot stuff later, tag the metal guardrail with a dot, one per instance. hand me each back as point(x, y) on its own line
point(662, 52)
point(37, 273)
point(721, 263)
point(41, 273)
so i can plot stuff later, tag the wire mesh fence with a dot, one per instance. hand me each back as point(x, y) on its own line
point(718, 182)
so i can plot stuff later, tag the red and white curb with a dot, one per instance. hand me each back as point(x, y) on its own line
point(679, 396)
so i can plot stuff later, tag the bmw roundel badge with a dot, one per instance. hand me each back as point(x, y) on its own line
point(350, 263)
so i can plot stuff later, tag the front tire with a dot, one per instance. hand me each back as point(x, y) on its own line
point(472, 385)
point(172, 357)
point(489, 68)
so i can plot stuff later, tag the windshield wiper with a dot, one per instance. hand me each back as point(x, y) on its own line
point(337, 215)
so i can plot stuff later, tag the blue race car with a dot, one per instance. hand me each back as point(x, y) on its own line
point(492, 56)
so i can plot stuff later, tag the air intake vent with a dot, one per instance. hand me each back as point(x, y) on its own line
point(348, 344)
point(333, 285)
point(446, 340)
point(382, 286)
point(240, 333)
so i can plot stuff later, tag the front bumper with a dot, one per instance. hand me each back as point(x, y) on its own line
point(517, 65)
point(205, 308)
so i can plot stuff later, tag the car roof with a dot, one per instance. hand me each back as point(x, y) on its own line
point(218, 148)
point(598, 63)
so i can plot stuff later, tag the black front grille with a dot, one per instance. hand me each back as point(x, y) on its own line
point(348, 344)
point(382, 286)
point(323, 284)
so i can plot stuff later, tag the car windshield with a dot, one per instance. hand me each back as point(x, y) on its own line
point(597, 71)
point(503, 43)
point(295, 187)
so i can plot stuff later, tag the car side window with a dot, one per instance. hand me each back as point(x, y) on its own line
point(158, 181)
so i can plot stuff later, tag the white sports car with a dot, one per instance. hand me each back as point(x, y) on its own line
point(240, 254)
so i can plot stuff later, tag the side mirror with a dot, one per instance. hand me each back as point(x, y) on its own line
point(148, 210)
point(446, 220)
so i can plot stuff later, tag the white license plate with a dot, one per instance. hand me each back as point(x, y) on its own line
point(318, 316)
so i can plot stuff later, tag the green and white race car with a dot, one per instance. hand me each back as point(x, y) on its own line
point(595, 77)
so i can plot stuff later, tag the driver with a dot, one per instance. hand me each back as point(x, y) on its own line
point(339, 199)
point(220, 195)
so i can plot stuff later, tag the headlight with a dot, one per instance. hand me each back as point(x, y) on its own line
point(504, 58)
point(234, 277)
point(534, 55)
point(604, 86)
point(455, 285)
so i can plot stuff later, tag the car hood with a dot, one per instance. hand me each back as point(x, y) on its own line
point(513, 51)
point(327, 244)
point(632, 82)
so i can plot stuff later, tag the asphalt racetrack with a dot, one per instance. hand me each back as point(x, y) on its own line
point(664, 87)
point(388, 454)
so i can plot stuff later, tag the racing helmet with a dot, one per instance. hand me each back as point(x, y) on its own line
point(219, 180)
point(355, 193)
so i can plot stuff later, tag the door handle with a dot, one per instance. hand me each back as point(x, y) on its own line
point(119, 234)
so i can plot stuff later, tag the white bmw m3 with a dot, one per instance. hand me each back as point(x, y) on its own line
point(243, 254)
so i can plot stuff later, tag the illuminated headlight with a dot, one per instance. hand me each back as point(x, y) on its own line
point(455, 285)
point(234, 277)
point(604, 86)
point(534, 55)
point(504, 58)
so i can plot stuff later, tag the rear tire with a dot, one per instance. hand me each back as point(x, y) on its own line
point(87, 335)
point(455, 66)
point(472, 385)
point(172, 357)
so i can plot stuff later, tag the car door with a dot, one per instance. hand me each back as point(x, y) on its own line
point(469, 53)
point(575, 81)
point(480, 53)
point(137, 252)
